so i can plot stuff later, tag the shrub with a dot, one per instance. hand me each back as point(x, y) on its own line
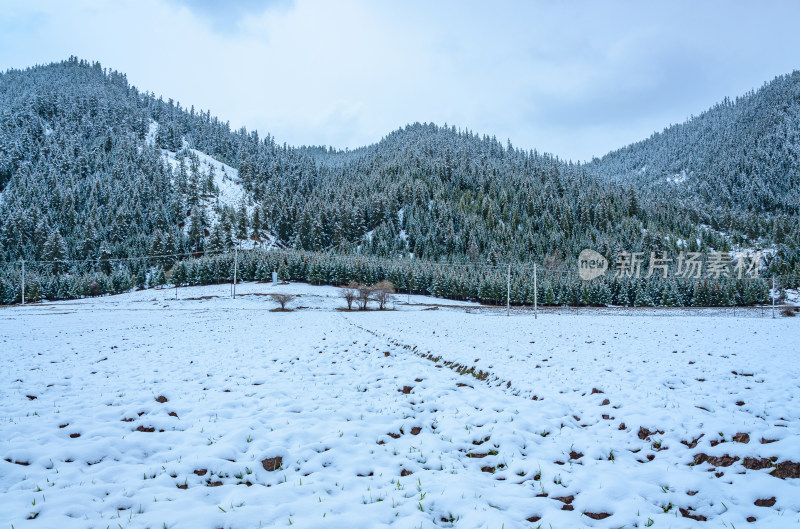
point(282, 299)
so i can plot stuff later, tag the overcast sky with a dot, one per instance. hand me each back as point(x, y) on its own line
point(573, 78)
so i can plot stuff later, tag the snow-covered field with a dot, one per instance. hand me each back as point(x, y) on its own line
point(141, 410)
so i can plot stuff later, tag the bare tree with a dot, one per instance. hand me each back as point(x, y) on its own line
point(350, 293)
point(383, 291)
point(365, 293)
point(282, 299)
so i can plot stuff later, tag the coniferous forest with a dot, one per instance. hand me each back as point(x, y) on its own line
point(103, 189)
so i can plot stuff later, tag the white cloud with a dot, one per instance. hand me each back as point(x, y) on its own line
point(576, 79)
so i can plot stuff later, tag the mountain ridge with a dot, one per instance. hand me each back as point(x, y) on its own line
point(82, 180)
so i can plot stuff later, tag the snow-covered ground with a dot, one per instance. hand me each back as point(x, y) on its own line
point(141, 410)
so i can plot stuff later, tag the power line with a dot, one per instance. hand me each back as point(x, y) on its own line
point(518, 268)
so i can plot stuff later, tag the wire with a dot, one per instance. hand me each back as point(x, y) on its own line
point(516, 268)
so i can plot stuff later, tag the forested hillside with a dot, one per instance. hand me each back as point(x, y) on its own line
point(92, 170)
point(740, 160)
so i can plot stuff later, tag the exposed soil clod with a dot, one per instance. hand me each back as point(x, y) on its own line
point(272, 464)
point(721, 461)
point(597, 515)
point(786, 469)
point(687, 513)
point(693, 442)
point(644, 433)
point(755, 463)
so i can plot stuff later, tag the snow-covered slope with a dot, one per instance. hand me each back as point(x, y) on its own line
point(226, 181)
point(226, 178)
point(141, 410)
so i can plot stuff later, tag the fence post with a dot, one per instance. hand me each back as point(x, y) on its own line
point(23, 281)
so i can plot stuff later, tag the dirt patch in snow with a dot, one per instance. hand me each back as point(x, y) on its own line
point(687, 513)
point(597, 515)
point(272, 464)
point(754, 463)
point(786, 469)
point(721, 461)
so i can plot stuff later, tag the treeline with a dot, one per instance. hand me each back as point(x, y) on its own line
point(461, 281)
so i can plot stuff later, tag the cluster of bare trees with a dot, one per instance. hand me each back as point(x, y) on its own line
point(361, 295)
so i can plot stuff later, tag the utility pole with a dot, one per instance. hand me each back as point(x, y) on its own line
point(235, 268)
point(773, 295)
point(508, 292)
point(23, 281)
point(535, 295)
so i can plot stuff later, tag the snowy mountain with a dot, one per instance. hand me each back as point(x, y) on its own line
point(92, 169)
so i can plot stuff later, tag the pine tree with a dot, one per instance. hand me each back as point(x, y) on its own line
point(643, 298)
point(242, 222)
point(158, 277)
point(55, 251)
